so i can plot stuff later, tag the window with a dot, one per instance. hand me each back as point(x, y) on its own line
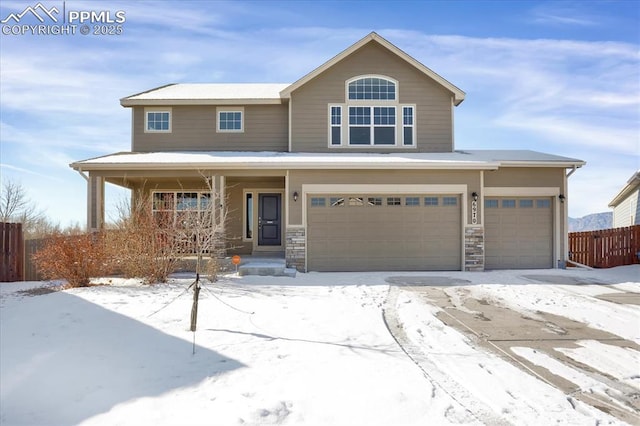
point(543, 204)
point(374, 201)
point(336, 125)
point(508, 204)
point(491, 204)
point(336, 202)
point(318, 202)
point(248, 218)
point(187, 201)
point(356, 201)
point(407, 125)
point(412, 201)
point(372, 125)
point(171, 206)
point(430, 201)
point(158, 121)
point(230, 121)
point(371, 116)
point(526, 204)
point(449, 201)
point(393, 201)
point(375, 88)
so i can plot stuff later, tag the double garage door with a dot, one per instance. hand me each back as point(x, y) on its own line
point(518, 233)
point(375, 232)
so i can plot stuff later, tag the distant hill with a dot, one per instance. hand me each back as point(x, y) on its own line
point(591, 222)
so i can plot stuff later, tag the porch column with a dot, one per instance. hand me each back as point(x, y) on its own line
point(95, 203)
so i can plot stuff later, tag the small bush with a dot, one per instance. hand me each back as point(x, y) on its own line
point(142, 245)
point(74, 258)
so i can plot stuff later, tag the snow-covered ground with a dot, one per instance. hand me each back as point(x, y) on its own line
point(310, 350)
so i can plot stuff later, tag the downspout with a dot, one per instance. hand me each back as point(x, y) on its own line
point(565, 218)
point(573, 170)
point(86, 178)
point(83, 175)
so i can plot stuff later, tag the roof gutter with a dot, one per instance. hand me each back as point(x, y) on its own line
point(125, 102)
point(284, 165)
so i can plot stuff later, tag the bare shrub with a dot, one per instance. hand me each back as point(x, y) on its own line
point(142, 245)
point(74, 258)
point(149, 244)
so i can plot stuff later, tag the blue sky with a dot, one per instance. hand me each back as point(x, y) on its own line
point(561, 77)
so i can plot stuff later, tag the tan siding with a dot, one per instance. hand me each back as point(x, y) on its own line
point(433, 102)
point(194, 129)
point(234, 201)
point(524, 177)
point(413, 177)
point(235, 194)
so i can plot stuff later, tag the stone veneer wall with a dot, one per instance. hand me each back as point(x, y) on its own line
point(296, 248)
point(474, 248)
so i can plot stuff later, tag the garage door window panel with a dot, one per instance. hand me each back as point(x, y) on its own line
point(318, 202)
point(430, 201)
point(393, 201)
point(543, 204)
point(336, 201)
point(449, 201)
point(374, 201)
point(412, 201)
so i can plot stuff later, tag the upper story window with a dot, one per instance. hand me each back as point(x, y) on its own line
point(371, 116)
point(157, 120)
point(230, 120)
point(372, 126)
point(372, 88)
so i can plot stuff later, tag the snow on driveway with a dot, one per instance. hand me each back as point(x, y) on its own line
point(310, 350)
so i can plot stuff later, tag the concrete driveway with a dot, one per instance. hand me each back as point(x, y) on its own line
point(500, 329)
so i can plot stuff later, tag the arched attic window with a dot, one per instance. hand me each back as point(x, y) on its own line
point(372, 88)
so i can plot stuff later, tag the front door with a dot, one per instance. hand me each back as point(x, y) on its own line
point(269, 220)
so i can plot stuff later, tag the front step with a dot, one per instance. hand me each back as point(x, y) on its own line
point(266, 267)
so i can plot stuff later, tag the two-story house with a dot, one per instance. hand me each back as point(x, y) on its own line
point(351, 168)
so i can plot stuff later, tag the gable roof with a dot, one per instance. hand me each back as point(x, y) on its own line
point(633, 184)
point(208, 94)
point(374, 37)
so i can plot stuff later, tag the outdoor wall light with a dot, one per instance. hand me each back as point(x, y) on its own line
point(295, 196)
point(474, 195)
point(561, 197)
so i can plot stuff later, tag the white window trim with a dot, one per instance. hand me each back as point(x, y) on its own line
point(331, 126)
point(413, 126)
point(372, 126)
point(244, 213)
point(147, 110)
point(364, 101)
point(227, 109)
point(345, 140)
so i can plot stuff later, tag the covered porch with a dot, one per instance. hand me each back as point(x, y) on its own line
point(251, 205)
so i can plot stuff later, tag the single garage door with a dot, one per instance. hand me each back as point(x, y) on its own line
point(383, 232)
point(518, 233)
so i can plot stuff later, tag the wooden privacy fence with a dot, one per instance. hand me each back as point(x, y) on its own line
point(605, 248)
point(12, 267)
point(31, 247)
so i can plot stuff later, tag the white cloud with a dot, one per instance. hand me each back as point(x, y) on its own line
point(60, 97)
